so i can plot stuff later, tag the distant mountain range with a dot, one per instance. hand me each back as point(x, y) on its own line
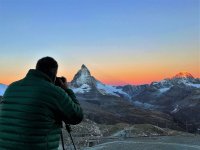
point(176, 98)
point(84, 82)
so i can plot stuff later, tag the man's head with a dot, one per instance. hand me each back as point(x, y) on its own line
point(48, 66)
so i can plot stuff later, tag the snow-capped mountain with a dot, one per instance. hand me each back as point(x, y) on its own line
point(154, 90)
point(183, 75)
point(83, 78)
point(3, 88)
point(84, 82)
point(181, 79)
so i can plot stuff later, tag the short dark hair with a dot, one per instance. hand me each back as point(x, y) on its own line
point(46, 65)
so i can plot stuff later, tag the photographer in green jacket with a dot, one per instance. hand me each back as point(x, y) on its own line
point(33, 108)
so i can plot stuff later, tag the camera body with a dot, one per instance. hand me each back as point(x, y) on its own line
point(60, 79)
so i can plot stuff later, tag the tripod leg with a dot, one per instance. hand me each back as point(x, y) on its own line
point(62, 140)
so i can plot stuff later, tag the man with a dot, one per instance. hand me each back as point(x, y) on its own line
point(33, 108)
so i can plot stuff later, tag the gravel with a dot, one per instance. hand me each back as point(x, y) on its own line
point(156, 143)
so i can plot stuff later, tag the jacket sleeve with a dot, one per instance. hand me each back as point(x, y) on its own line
point(69, 108)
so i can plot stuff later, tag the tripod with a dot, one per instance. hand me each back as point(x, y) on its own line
point(68, 128)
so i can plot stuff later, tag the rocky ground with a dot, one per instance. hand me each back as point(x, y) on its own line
point(89, 135)
point(156, 143)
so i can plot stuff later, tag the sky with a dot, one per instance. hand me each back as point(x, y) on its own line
point(120, 41)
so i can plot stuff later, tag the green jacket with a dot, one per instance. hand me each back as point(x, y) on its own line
point(31, 112)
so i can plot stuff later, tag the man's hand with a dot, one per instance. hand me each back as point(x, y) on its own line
point(61, 82)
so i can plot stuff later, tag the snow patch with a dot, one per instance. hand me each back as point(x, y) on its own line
point(176, 109)
point(193, 85)
point(82, 89)
point(110, 90)
point(163, 90)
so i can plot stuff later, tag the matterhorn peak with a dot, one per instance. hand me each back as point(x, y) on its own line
point(83, 66)
point(183, 75)
point(83, 76)
point(84, 70)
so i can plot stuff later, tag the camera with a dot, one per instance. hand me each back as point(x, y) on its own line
point(58, 79)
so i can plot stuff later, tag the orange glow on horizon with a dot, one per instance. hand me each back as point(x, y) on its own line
point(120, 78)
